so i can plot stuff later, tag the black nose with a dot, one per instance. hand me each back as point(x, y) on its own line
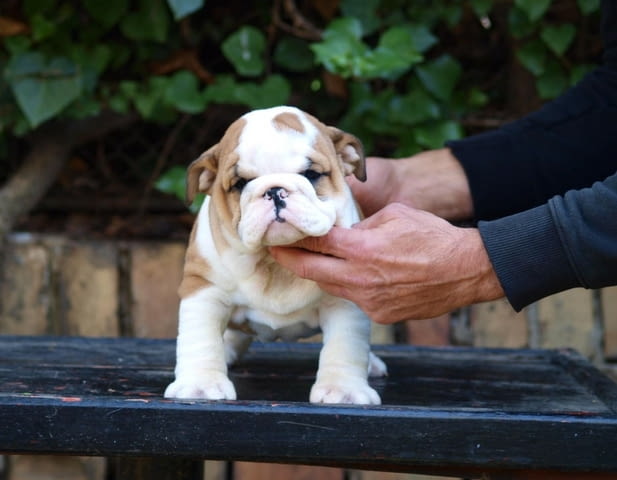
point(277, 195)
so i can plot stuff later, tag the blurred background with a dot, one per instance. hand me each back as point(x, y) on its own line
point(104, 104)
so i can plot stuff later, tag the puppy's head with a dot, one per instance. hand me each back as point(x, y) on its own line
point(277, 175)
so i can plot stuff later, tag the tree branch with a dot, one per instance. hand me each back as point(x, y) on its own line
point(51, 146)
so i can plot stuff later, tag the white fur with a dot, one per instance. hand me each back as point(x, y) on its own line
point(280, 304)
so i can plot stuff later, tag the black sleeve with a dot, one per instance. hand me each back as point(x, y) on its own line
point(571, 241)
point(568, 144)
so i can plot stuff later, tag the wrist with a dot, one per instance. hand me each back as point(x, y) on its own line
point(433, 181)
point(483, 283)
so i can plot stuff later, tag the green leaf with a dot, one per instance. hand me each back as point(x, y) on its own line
point(416, 107)
point(150, 22)
point(588, 6)
point(148, 98)
point(294, 54)
point(244, 49)
point(275, 90)
point(41, 27)
point(579, 71)
point(42, 87)
point(451, 14)
point(342, 51)
point(534, 9)
point(344, 27)
point(533, 56)
point(440, 76)
point(476, 98)
point(107, 13)
point(558, 37)
point(182, 8)
point(182, 92)
point(365, 11)
point(481, 7)
point(436, 135)
point(17, 44)
point(421, 38)
point(173, 181)
point(399, 40)
point(519, 24)
point(32, 7)
point(553, 82)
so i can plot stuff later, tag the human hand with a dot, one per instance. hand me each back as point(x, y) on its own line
point(433, 181)
point(399, 264)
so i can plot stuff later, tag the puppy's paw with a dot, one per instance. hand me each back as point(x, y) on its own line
point(215, 386)
point(376, 366)
point(350, 391)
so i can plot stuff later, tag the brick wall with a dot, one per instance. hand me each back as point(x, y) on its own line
point(55, 285)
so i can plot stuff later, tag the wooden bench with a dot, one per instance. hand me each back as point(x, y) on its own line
point(474, 413)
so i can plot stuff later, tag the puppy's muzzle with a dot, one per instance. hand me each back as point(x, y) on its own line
point(277, 196)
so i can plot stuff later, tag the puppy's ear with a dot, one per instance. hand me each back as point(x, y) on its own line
point(201, 173)
point(351, 152)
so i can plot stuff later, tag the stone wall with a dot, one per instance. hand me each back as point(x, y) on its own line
point(60, 286)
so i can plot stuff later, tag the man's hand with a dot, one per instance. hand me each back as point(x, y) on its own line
point(399, 264)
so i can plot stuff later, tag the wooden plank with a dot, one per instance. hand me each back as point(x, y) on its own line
point(445, 409)
point(566, 320)
point(496, 324)
point(87, 290)
point(155, 274)
point(609, 311)
point(25, 290)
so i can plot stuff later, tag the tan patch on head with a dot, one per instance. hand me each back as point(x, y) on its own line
point(231, 138)
point(345, 146)
point(196, 269)
point(288, 120)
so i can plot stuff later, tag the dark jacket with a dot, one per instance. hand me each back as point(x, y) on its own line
point(545, 187)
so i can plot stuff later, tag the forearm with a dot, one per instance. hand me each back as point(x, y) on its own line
point(433, 181)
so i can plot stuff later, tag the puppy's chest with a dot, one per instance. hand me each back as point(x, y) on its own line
point(276, 306)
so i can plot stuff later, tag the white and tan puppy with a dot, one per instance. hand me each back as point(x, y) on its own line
point(276, 176)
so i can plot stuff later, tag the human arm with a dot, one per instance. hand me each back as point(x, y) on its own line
point(433, 181)
point(399, 264)
point(546, 241)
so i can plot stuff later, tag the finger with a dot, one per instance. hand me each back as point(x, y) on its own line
point(309, 265)
point(338, 242)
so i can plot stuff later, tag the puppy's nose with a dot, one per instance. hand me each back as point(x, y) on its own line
point(277, 195)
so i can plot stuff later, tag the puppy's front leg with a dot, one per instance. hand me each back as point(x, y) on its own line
point(343, 361)
point(201, 370)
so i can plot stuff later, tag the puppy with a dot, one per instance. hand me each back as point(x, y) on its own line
point(276, 176)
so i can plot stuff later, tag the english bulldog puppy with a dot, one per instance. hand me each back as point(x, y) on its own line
point(276, 176)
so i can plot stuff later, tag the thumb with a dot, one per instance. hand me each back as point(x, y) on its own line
point(336, 243)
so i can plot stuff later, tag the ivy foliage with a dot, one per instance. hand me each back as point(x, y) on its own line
point(381, 68)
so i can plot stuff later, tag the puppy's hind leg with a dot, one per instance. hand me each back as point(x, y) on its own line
point(376, 366)
point(236, 344)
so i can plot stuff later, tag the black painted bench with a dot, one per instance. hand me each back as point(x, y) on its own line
point(477, 413)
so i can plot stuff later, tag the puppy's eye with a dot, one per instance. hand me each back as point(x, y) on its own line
point(239, 184)
point(312, 175)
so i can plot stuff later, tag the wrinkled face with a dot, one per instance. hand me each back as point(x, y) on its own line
point(278, 176)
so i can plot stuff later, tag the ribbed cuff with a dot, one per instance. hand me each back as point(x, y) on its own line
point(528, 256)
